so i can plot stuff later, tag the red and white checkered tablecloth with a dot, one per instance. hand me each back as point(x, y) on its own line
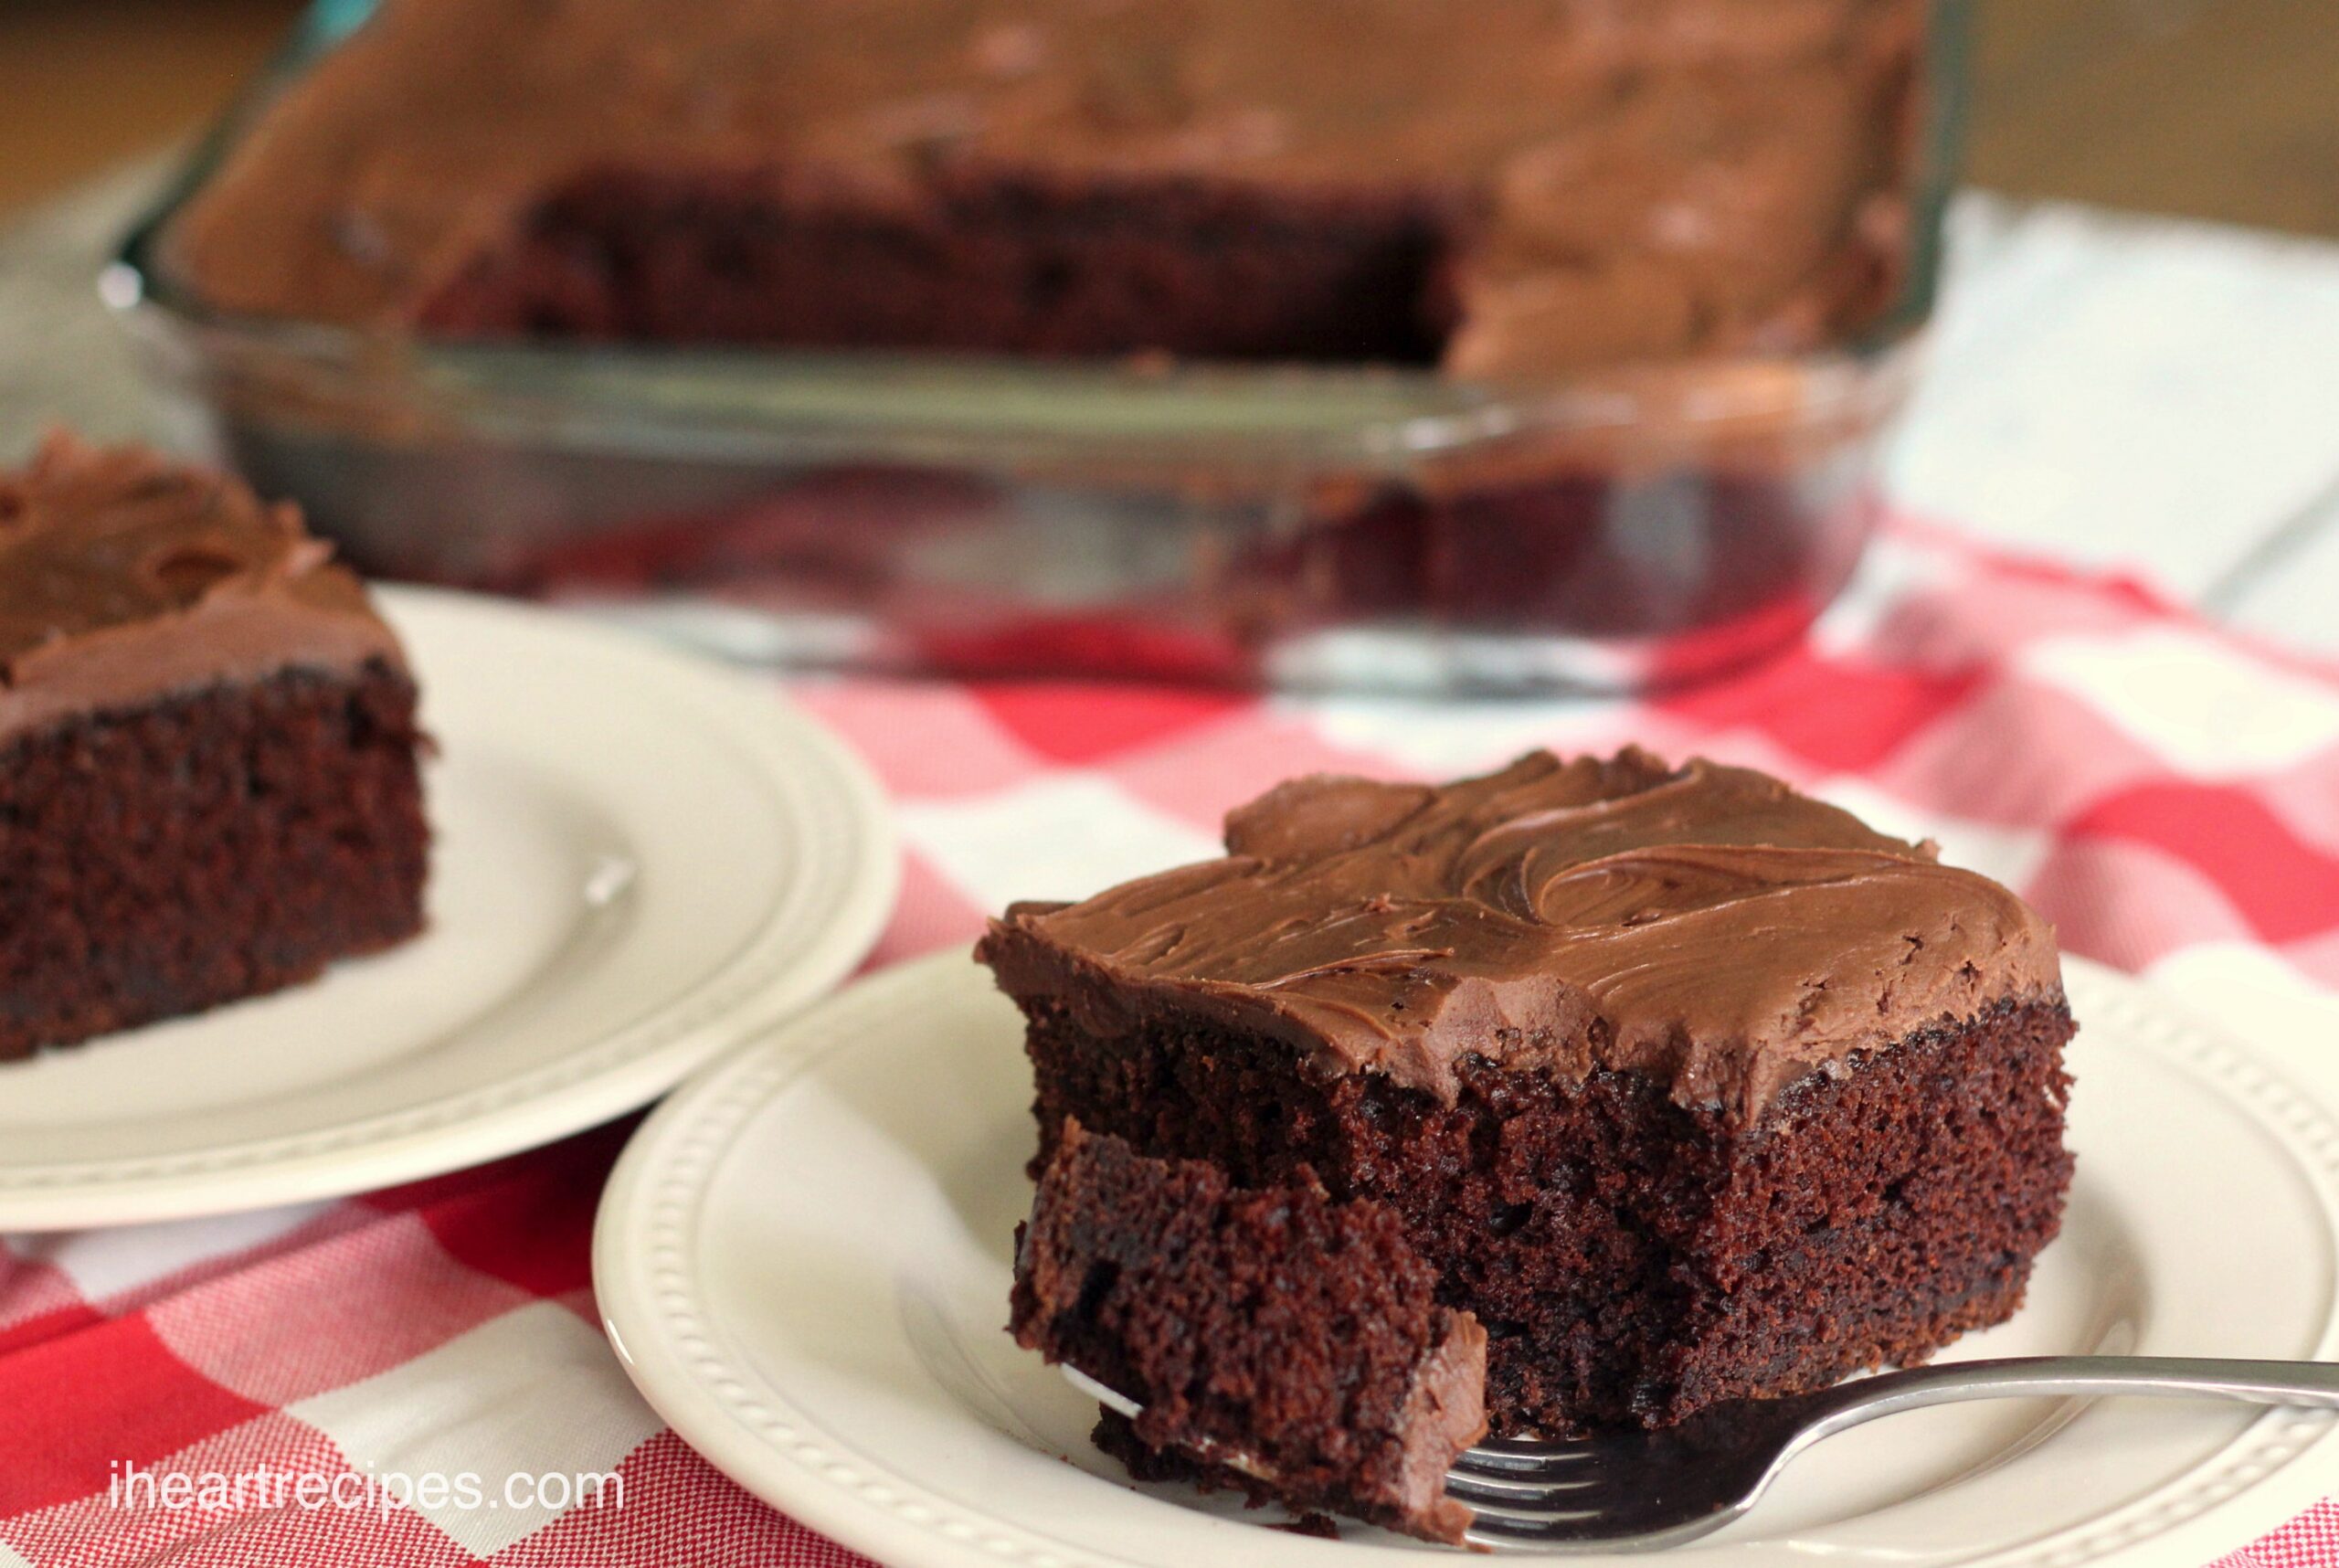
point(2159, 790)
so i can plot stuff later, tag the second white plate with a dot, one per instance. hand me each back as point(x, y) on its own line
point(803, 1260)
point(640, 860)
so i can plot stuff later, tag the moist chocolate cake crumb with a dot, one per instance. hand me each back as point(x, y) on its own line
point(206, 848)
point(1319, 1525)
point(1278, 1343)
point(1635, 1261)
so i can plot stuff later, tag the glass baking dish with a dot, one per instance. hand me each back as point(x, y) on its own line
point(1351, 528)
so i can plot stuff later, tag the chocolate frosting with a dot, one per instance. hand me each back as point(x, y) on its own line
point(1445, 1413)
point(1627, 178)
point(1707, 926)
point(125, 577)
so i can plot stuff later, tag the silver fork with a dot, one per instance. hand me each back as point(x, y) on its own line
point(1642, 1491)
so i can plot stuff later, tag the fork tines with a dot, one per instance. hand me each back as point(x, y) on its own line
point(1532, 1494)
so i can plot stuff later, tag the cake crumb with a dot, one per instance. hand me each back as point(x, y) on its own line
point(1320, 1525)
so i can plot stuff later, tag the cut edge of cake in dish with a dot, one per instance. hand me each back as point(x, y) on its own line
point(1689, 1087)
point(209, 751)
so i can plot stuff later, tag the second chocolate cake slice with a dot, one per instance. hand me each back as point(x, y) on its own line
point(1688, 1086)
point(209, 784)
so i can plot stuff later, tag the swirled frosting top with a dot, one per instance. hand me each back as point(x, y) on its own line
point(125, 577)
point(1706, 925)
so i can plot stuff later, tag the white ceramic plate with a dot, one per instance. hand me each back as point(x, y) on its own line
point(803, 1262)
point(640, 861)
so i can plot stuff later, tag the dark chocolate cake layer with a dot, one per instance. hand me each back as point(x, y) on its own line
point(1688, 1088)
point(991, 264)
point(1561, 183)
point(1633, 1260)
point(208, 776)
point(1278, 1341)
point(205, 848)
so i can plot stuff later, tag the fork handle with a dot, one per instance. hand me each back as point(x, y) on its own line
point(2310, 1383)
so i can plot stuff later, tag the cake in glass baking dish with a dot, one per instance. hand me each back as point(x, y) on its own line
point(1355, 344)
point(208, 776)
point(1555, 183)
point(1686, 1086)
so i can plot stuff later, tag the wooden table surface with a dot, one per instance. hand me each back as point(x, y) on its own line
point(2219, 108)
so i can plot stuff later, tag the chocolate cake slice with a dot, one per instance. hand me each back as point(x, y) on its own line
point(1687, 1087)
point(1277, 1340)
point(208, 784)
